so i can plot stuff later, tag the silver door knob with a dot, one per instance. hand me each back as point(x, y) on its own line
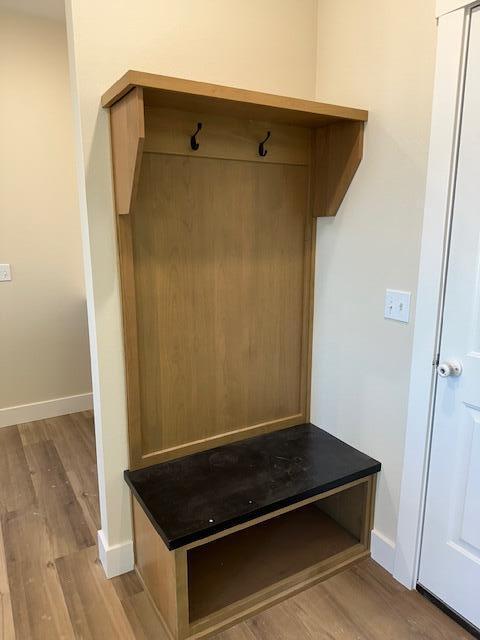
point(450, 368)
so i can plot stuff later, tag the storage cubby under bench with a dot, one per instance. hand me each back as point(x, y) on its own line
point(238, 501)
point(226, 532)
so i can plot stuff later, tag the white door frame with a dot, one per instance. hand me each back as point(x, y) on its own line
point(453, 18)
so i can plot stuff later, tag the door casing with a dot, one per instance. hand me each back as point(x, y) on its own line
point(453, 22)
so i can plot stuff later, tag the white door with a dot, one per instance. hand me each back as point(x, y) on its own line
point(450, 553)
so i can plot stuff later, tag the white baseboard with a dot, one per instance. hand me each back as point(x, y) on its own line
point(117, 559)
point(45, 409)
point(383, 550)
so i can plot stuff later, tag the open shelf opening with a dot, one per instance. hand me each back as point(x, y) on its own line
point(237, 566)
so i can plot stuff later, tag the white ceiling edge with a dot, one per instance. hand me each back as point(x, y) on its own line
point(52, 9)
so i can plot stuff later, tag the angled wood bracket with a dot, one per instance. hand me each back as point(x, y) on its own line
point(338, 150)
point(127, 124)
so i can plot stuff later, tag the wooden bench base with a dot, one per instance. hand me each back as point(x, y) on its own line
point(215, 582)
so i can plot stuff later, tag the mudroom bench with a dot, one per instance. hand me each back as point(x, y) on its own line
point(238, 501)
point(226, 532)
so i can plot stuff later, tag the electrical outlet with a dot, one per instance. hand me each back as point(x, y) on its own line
point(5, 274)
point(397, 305)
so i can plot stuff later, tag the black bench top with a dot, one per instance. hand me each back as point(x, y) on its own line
point(190, 498)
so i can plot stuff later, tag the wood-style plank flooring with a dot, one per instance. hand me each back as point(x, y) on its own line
point(53, 587)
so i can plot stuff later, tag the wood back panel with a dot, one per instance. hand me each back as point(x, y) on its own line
point(169, 131)
point(222, 298)
point(216, 254)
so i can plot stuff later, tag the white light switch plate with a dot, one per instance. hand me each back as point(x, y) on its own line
point(5, 274)
point(397, 305)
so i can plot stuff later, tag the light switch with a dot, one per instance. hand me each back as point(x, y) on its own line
point(397, 305)
point(5, 274)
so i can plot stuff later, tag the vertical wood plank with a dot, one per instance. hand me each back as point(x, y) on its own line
point(370, 510)
point(16, 488)
point(38, 605)
point(220, 350)
point(67, 529)
point(181, 571)
point(130, 338)
point(127, 125)
point(157, 567)
point(95, 610)
point(7, 630)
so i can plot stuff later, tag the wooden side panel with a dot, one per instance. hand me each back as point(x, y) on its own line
point(163, 573)
point(130, 335)
point(369, 511)
point(222, 299)
point(193, 587)
point(128, 133)
point(338, 151)
point(350, 508)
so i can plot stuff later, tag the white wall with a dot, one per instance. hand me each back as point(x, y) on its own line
point(378, 55)
point(268, 46)
point(44, 342)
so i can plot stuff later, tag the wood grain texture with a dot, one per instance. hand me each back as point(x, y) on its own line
point(16, 487)
point(338, 153)
point(248, 568)
point(72, 438)
point(68, 530)
point(92, 601)
point(7, 628)
point(189, 95)
point(130, 338)
point(127, 129)
point(163, 573)
point(38, 603)
point(348, 508)
point(274, 514)
point(217, 259)
point(223, 331)
point(284, 590)
point(169, 131)
point(260, 557)
point(143, 618)
point(362, 603)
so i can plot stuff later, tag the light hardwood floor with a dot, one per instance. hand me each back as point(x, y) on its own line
point(52, 586)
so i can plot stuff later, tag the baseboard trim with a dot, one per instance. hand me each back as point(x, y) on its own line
point(46, 409)
point(382, 550)
point(116, 559)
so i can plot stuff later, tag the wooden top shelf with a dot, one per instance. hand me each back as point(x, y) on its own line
point(200, 96)
point(191, 498)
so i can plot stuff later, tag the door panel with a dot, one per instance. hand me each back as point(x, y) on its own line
point(450, 556)
point(470, 532)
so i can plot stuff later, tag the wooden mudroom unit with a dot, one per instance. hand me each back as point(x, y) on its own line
point(238, 501)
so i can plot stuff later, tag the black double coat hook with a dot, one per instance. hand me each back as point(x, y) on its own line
point(261, 149)
point(193, 140)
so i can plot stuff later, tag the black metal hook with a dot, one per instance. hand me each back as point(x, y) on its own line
point(193, 140)
point(261, 149)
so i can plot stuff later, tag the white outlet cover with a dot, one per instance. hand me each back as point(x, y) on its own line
point(5, 273)
point(397, 305)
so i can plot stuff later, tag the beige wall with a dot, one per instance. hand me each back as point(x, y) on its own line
point(268, 45)
point(44, 342)
point(378, 55)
